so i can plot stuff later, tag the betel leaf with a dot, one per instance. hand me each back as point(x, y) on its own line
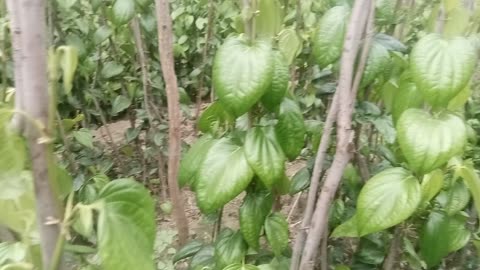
point(290, 128)
point(242, 73)
point(193, 159)
point(405, 97)
point(216, 119)
point(385, 11)
point(429, 141)
point(454, 199)
point(120, 103)
point(239, 266)
point(378, 59)
point(276, 230)
point(188, 250)
point(387, 199)
point(255, 208)
point(126, 226)
point(441, 235)
point(224, 174)
point(432, 184)
point(329, 37)
point(289, 44)
point(442, 67)
point(68, 57)
point(203, 259)
point(300, 181)
point(229, 249)
point(84, 136)
point(111, 69)
point(281, 76)
point(471, 179)
point(389, 42)
point(269, 18)
point(264, 155)
point(123, 10)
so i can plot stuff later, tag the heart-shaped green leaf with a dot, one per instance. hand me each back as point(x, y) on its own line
point(329, 37)
point(216, 119)
point(429, 141)
point(441, 235)
point(442, 67)
point(455, 199)
point(123, 10)
point(229, 249)
point(290, 128)
point(188, 250)
point(289, 44)
point(276, 229)
point(242, 73)
point(387, 199)
point(432, 184)
point(378, 59)
point(264, 155)
point(224, 174)
point(405, 97)
point(192, 161)
point(274, 96)
point(255, 208)
point(126, 226)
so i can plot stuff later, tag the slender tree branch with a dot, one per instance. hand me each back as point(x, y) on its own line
point(165, 41)
point(346, 98)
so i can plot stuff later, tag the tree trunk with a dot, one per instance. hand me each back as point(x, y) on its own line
point(31, 73)
point(165, 41)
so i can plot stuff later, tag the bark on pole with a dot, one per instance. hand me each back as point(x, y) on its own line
point(165, 44)
point(31, 70)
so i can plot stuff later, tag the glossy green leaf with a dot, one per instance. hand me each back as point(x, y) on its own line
point(203, 259)
point(442, 67)
point(432, 184)
point(387, 199)
point(188, 250)
point(329, 37)
point(276, 230)
point(472, 180)
point(269, 19)
point(300, 181)
point(193, 159)
point(123, 10)
point(68, 57)
point(290, 128)
point(216, 119)
point(255, 208)
point(120, 104)
point(429, 141)
point(229, 249)
point(289, 44)
point(454, 199)
point(84, 136)
point(126, 226)
point(242, 73)
point(405, 97)
point(390, 43)
point(265, 155)
point(239, 266)
point(224, 174)
point(441, 235)
point(281, 76)
point(378, 59)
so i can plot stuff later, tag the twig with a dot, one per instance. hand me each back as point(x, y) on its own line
point(391, 259)
point(294, 206)
point(218, 225)
point(165, 41)
point(346, 97)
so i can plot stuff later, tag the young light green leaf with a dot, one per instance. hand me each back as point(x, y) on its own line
point(193, 160)
point(84, 137)
point(290, 128)
point(123, 10)
point(68, 57)
point(442, 67)
point(405, 97)
point(242, 73)
point(276, 229)
point(454, 199)
point(430, 141)
point(432, 184)
point(229, 249)
point(126, 226)
point(224, 174)
point(281, 76)
point(328, 40)
point(188, 250)
point(255, 208)
point(83, 223)
point(289, 44)
point(441, 235)
point(269, 20)
point(387, 199)
point(120, 104)
point(264, 155)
